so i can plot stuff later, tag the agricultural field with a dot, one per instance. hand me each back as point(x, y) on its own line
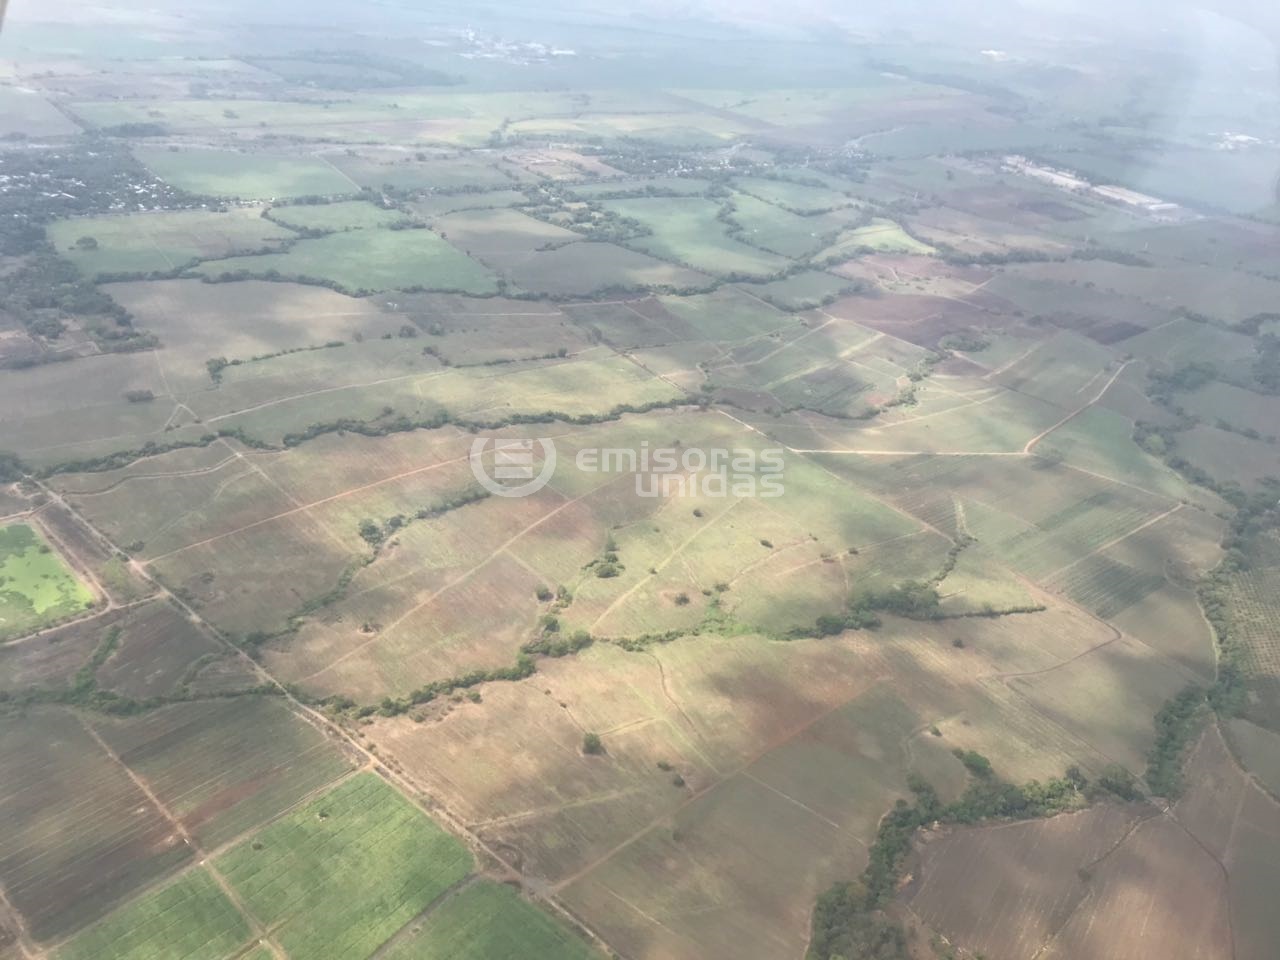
point(36, 586)
point(686, 489)
point(294, 875)
point(246, 176)
point(163, 241)
point(367, 261)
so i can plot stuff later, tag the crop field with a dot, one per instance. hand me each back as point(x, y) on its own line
point(142, 243)
point(340, 875)
point(283, 676)
point(36, 586)
point(367, 261)
point(489, 921)
point(248, 176)
point(686, 231)
point(67, 856)
point(879, 234)
point(154, 653)
point(188, 919)
point(225, 766)
point(342, 215)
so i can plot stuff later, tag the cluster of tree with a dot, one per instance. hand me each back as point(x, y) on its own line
point(46, 291)
point(1177, 722)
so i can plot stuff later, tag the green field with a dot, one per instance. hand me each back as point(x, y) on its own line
point(343, 215)
point(368, 260)
point(250, 176)
point(687, 231)
point(141, 243)
point(880, 235)
point(36, 587)
point(341, 874)
point(490, 921)
point(188, 919)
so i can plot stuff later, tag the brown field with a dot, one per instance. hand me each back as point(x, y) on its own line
point(51, 658)
point(817, 735)
point(66, 856)
point(1005, 890)
point(158, 645)
point(224, 767)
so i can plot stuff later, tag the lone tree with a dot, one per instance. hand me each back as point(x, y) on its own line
point(592, 745)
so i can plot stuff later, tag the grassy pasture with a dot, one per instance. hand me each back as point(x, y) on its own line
point(338, 876)
point(801, 291)
point(370, 260)
point(227, 173)
point(407, 172)
point(801, 198)
point(188, 919)
point(197, 321)
point(489, 921)
point(68, 855)
point(780, 231)
point(687, 231)
point(542, 257)
point(164, 240)
point(36, 587)
point(225, 766)
point(342, 215)
point(880, 234)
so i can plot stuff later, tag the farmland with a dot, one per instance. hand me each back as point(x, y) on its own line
point(36, 588)
point(900, 553)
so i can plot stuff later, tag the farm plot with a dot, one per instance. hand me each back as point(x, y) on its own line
point(153, 652)
point(1242, 409)
point(367, 261)
point(780, 231)
point(296, 875)
point(1159, 891)
point(804, 199)
point(163, 240)
point(432, 173)
point(1229, 457)
point(225, 766)
point(1002, 891)
point(878, 235)
point(51, 661)
point(688, 232)
point(250, 176)
point(66, 856)
point(489, 921)
point(545, 258)
point(188, 919)
point(36, 587)
point(1080, 696)
point(803, 291)
point(26, 113)
point(343, 215)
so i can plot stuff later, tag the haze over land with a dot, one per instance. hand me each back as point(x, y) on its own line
point(970, 650)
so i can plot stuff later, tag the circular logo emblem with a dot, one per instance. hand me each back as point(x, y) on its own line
point(511, 474)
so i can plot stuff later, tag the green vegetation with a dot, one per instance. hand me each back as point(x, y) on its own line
point(490, 921)
point(188, 919)
point(321, 218)
point(36, 587)
point(364, 261)
point(248, 175)
point(296, 874)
